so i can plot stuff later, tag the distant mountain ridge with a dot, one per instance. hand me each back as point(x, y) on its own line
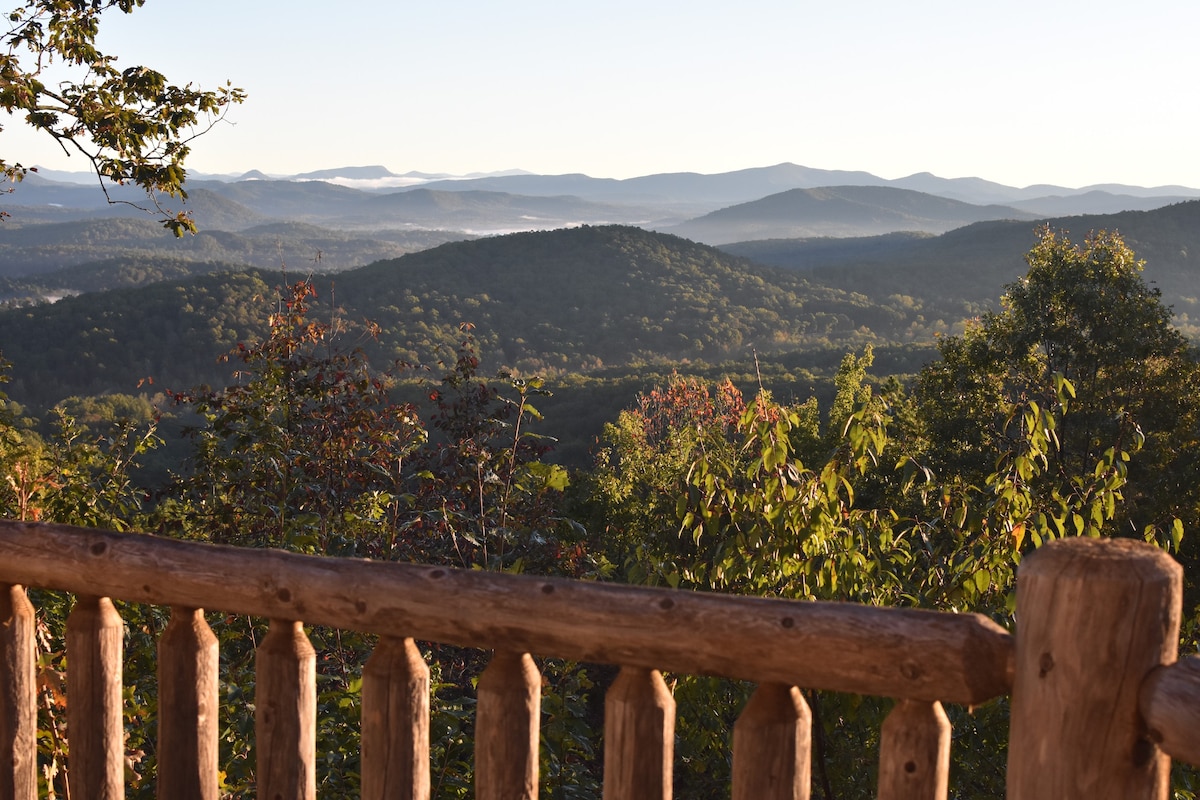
point(839, 211)
point(353, 173)
point(38, 238)
point(236, 205)
point(691, 193)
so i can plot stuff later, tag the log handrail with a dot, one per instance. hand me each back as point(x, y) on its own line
point(888, 652)
point(1094, 655)
point(1169, 702)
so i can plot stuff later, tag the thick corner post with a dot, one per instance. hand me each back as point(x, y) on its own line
point(1094, 616)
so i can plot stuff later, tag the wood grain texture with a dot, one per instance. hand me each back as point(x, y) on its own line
point(285, 716)
point(507, 728)
point(1170, 704)
point(96, 760)
point(18, 691)
point(1094, 617)
point(639, 737)
point(924, 655)
point(187, 708)
point(395, 722)
point(914, 752)
point(772, 746)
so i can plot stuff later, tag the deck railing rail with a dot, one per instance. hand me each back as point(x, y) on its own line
point(1099, 701)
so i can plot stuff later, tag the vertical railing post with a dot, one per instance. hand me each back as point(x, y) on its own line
point(18, 693)
point(285, 715)
point(914, 752)
point(639, 737)
point(395, 722)
point(772, 746)
point(507, 725)
point(1094, 616)
point(187, 708)
point(95, 729)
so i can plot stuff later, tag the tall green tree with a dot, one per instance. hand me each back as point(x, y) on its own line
point(132, 125)
point(1083, 314)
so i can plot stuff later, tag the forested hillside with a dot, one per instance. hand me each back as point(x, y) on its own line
point(171, 333)
point(584, 298)
point(966, 269)
point(35, 253)
point(541, 303)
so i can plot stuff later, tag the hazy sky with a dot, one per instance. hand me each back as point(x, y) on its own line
point(1020, 92)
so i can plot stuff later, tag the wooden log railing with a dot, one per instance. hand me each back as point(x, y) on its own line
point(1099, 704)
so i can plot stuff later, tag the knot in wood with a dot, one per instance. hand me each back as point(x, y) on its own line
point(1045, 664)
point(1144, 752)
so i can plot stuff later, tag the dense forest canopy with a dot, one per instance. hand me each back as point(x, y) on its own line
point(549, 304)
point(963, 270)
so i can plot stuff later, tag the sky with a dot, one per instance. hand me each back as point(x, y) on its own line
point(1021, 92)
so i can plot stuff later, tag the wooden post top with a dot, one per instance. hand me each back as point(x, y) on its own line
point(1107, 559)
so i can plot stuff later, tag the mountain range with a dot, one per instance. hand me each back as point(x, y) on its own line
point(839, 211)
point(374, 199)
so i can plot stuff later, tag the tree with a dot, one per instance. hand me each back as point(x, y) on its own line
point(481, 494)
point(639, 469)
point(304, 449)
point(132, 124)
point(1083, 315)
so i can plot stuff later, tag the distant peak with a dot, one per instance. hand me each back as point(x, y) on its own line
point(356, 173)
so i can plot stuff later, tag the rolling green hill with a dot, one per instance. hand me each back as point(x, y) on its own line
point(96, 343)
point(965, 270)
point(574, 300)
point(579, 299)
point(41, 250)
